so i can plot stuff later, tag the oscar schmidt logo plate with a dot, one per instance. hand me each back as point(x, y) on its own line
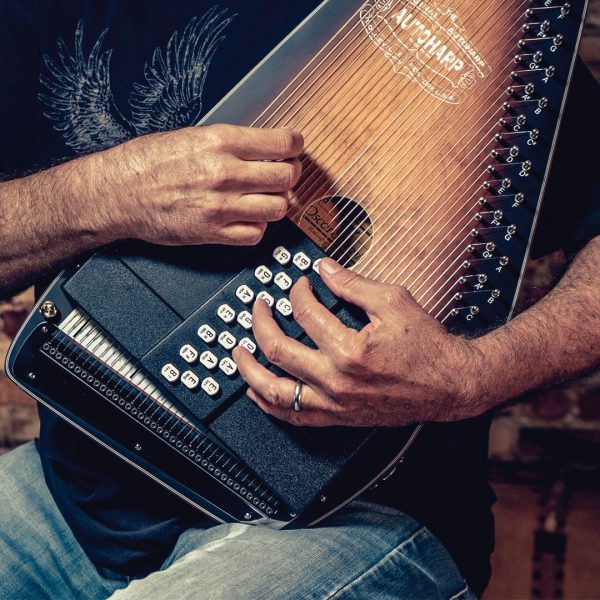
point(427, 43)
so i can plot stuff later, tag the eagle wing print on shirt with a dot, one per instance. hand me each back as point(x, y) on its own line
point(79, 98)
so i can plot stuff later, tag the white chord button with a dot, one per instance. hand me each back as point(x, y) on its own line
point(263, 274)
point(210, 386)
point(170, 373)
point(207, 333)
point(188, 353)
point(284, 307)
point(208, 359)
point(245, 294)
point(302, 261)
point(228, 366)
point(245, 320)
point(266, 297)
point(227, 340)
point(248, 344)
point(226, 313)
point(282, 256)
point(317, 265)
point(190, 380)
point(283, 281)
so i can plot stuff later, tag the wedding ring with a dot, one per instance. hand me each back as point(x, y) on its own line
point(298, 395)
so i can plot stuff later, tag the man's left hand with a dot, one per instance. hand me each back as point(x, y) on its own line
point(403, 367)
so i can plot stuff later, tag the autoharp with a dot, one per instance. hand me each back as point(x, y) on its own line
point(429, 130)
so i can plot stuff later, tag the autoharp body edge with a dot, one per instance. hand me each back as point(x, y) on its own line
point(429, 131)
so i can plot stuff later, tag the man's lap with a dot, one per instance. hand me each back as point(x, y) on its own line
point(364, 551)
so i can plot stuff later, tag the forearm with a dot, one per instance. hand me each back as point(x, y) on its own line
point(553, 341)
point(48, 218)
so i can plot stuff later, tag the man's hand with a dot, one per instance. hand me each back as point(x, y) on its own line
point(403, 367)
point(217, 184)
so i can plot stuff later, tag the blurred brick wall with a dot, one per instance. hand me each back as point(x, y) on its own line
point(574, 407)
point(18, 416)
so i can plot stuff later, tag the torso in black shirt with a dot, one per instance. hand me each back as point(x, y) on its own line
point(126, 523)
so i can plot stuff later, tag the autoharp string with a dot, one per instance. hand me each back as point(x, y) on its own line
point(460, 142)
point(348, 34)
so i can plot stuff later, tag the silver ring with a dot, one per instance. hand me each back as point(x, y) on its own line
point(298, 395)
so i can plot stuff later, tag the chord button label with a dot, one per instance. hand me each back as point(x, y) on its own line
point(228, 366)
point(190, 380)
point(170, 373)
point(189, 353)
point(248, 344)
point(284, 306)
point(208, 359)
point(226, 313)
point(207, 333)
point(210, 386)
point(266, 297)
point(282, 256)
point(245, 294)
point(302, 261)
point(227, 340)
point(245, 320)
point(263, 274)
point(283, 281)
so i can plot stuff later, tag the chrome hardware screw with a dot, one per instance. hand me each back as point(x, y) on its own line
point(496, 294)
point(137, 447)
point(31, 376)
point(504, 261)
point(49, 310)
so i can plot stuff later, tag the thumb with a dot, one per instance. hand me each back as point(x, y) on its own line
point(351, 286)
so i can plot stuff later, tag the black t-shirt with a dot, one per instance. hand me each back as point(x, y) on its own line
point(58, 57)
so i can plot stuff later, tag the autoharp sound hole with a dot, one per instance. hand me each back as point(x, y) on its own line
point(340, 226)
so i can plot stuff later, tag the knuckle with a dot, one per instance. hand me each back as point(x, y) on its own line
point(289, 174)
point(274, 351)
point(336, 388)
point(284, 142)
point(301, 312)
point(255, 234)
point(280, 208)
point(273, 394)
point(395, 296)
point(216, 137)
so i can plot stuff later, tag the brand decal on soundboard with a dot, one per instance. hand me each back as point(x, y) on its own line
point(426, 42)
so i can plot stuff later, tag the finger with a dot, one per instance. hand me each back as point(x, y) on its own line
point(285, 352)
point(263, 177)
point(303, 418)
point(241, 234)
point(320, 324)
point(354, 288)
point(277, 391)
point(255, 208)
point(267, 144)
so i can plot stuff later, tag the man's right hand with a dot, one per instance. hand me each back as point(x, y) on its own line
point(217, 184)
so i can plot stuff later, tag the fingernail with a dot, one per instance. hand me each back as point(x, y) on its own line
point(329, 266)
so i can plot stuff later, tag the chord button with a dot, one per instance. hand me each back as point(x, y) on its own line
point(245, 320)
point(207, 333)
point(245, 294)
point(302, 261)
point(248, 344)
point(266, 297)
point(189, 353)
point(208, 359)
point(317, 265)
point(263, 274)
point(226, 313)
point(170, 373)
point(227, 340)
point(210, 386)
point(283, 281)
point(190, 380)
point(284, 306)
point(228, 366)
point(282, 256)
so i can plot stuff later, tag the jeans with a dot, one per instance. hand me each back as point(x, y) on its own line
point(365, 551)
